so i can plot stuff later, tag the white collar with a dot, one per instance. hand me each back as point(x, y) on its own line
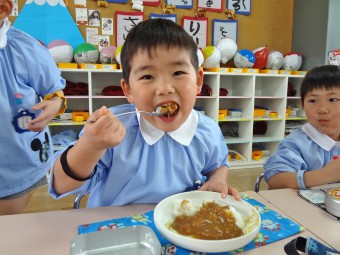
point(183, 134)
point(324, 141)
point(3, 30)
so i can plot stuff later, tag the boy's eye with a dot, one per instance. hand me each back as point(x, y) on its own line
point(178, 73)
point(146, 77)
point(333, 100)
point(312, 101)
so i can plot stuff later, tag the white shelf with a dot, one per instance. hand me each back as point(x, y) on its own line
point(245, 90)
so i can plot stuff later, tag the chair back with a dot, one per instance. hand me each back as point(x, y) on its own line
point(258, 182)
point(77, 200)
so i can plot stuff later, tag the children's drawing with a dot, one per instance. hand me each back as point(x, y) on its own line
point(52, 21)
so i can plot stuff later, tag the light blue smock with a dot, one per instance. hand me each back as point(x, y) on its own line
point(136, 172)
point(27, 68)
point(299, 151)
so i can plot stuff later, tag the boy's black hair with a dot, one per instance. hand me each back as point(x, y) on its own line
point(149, 34)
point(321, 77)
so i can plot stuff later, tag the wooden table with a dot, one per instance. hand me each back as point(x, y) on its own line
point(317, 221)
point(50, 233)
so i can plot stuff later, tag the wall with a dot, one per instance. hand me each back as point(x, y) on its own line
point(315, 30)
point(310, 31)
point(270, 22)
point(333, 34)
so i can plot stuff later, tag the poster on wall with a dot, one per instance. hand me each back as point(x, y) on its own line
point(92, 35)
point(210, 5)
point(124, 22)
point(15, 10)
point(80, 3)
point(242, 7)
point(224, 28)
point(180, 4)
point(172, 17)
point(94, 18)
point(52, 21)
point(107, 26)
point(81, 16)
point(197, 28)
point(103, 41)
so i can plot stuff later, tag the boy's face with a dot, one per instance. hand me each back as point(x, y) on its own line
point(322, 108)
point(5, 9)
point(166, 77)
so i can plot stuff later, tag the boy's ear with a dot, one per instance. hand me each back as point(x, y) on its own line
point(5, 9)
point(199, 83)
point(127, 90)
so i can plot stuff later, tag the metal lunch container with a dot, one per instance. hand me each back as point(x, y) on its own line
point(332, 201)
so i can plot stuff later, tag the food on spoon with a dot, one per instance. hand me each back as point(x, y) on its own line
point(210, 220)
point(168, 109)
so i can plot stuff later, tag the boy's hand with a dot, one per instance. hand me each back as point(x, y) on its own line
point(217, 181)
point(49, 109)
point(105, 132)
point(221, 187)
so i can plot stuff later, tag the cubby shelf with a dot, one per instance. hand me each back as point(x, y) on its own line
point(245, 91)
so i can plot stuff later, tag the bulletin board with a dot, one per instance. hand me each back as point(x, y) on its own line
point(269, 24)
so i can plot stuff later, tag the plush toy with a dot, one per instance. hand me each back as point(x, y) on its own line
point(200, 12)
point(102, 3)
point(86, 53)
point(275, 60)
point(230, 14)
point(212, 57)
point(168, 8)
point(61, 51)
point(228, 49)
point(244, 59)
point(292, 61)
point(107, 55)
point(261, 57)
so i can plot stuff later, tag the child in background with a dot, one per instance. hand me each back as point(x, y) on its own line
point(306, 157)
point(138, 158)
point(27, 70)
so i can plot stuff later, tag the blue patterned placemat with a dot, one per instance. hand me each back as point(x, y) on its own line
point(274, 227)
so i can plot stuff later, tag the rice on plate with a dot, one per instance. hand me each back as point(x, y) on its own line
point(206, 222)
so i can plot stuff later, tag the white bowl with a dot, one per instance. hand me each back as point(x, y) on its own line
point(163, 217)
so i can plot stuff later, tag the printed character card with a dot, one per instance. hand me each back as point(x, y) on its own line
point(181, 4)
point(210, 5)
point(242, 7)
point(223, 29)
point(124, 22)
point(197, 28)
